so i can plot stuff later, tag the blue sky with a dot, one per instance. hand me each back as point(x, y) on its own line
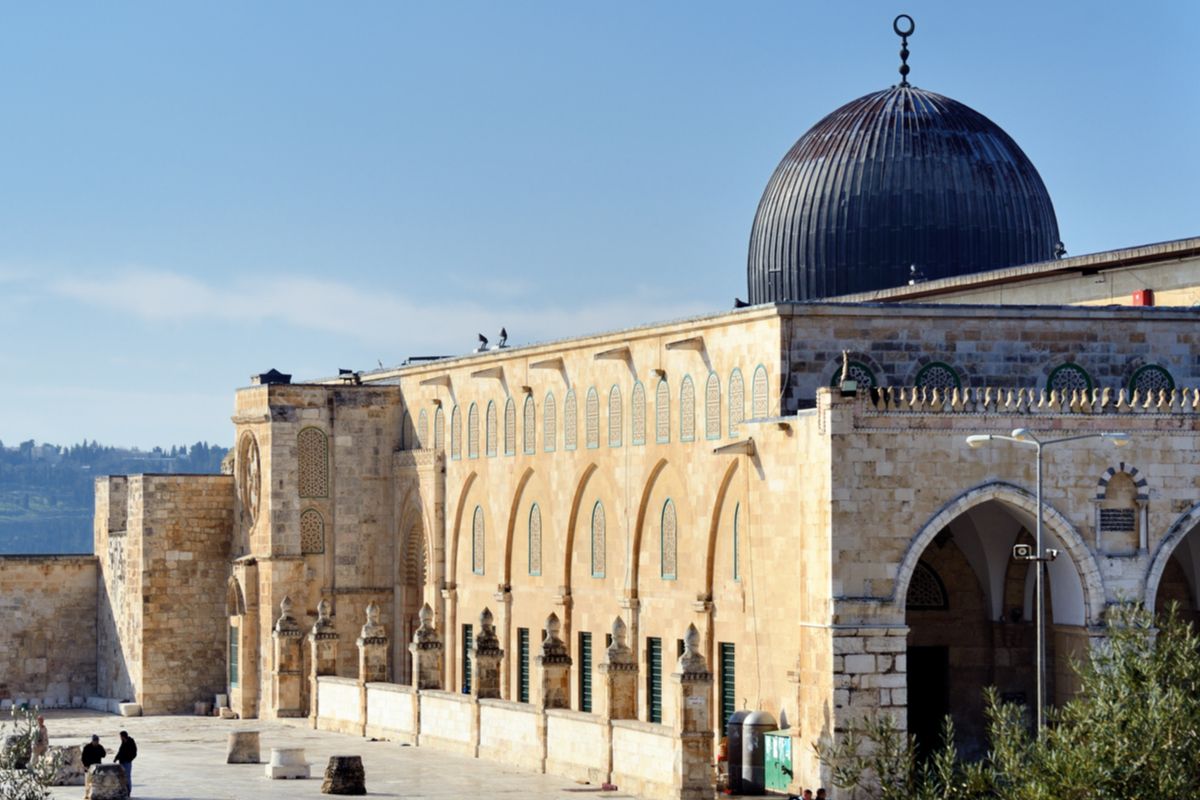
point(195, 192)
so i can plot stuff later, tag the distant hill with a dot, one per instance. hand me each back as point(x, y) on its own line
point(46, 491)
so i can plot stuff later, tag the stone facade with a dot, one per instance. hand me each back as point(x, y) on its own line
point(48, 639)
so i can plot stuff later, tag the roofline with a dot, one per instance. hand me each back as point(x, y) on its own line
point(1091, 262)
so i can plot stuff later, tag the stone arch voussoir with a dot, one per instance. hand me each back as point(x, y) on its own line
point(1165, 549)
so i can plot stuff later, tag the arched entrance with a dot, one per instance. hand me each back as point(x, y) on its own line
point(970, 613)
point(412, 573)
point(1174, 576)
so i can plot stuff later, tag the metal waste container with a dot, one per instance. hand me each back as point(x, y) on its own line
point(733, 750)
point(754, 756)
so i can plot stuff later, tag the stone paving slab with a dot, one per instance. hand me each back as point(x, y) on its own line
point(183, 758)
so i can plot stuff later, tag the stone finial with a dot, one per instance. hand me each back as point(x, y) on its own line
point(486, 620)
point(323, 627)
point(373, 629)
point(286, 625)
point(426, 635)
point(552, 646)
point(487, 641)
point(692, 660)
point(618, 651)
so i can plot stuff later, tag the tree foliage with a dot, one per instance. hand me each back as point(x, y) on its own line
point(21, 776)
point(1133, 731)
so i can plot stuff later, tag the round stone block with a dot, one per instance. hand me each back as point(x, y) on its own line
point(243, 748)
point(106, 782)
point(69, 771)
point(287, 762)
point(344, 775)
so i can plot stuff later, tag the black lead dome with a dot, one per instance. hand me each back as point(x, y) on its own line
point(894, 179)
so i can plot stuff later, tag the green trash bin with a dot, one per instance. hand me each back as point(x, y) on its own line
point(778, 760)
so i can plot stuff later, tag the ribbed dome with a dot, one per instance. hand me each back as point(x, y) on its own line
point(896, 178)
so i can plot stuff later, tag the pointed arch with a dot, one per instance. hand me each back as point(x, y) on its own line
point(737, 401)
point(473, 431)
point(668, 542)
point(714, 524)
point(616, 423)
point(439, 429)
point(235, 598)
point(570, 421)
point(1183, 525)
point(643, 504)
point(687, 410)
point(489, 439)
point(760, 404)
point(576, 499)
point(1086, 568)
point(592, 418)
point(478, 541)
point(529, 416)
point(510, 427)
point(455, 433)
point(662, 412)
point(712, 407)
point(549, 423)
point(510, 530)
point(637, 414)
point(423, 429)
point(599, 541)
point(459, 507)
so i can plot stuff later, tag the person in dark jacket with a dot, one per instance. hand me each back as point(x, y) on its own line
point(93, 752)
point(126, 753)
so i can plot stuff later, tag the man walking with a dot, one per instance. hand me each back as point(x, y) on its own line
point(126, 753)
point(41, 740)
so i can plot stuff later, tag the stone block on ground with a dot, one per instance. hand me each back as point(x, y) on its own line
point(106, 782)
point(287, 762)
point(130, 709)
point(344, 775)
point(70, 771)
point(202, 709)
point(243, 748)
point(227, 713)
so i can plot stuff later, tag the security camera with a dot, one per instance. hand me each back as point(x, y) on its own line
point(1023, 552)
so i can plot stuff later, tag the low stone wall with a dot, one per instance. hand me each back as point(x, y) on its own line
point(48, 637)
point(338, 699)
point(508, 732)
point(643, 758)
point(577, 745)
point(391, 712)
point(447, 719)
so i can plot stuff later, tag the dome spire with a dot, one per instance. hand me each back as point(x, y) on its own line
point(904, 33)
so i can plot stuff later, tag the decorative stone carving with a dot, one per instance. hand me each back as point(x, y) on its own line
point(324, 625)
point(344, 775)
point(426, 650)
point(323, 641)
point(555, 665)
point(312, 532)
point(372, 628)
point(693, 721)
point(287, 625)
point(692, 661)
point(312, 463)
point(288, 672)
point(486, 656)
point(372, 648)
point(619, 672)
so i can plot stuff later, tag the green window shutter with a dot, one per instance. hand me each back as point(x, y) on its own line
point(585, 672)
point(654, 678)
point(466, 658)
point(728, 683)
point(233, 656)
point(523, 665)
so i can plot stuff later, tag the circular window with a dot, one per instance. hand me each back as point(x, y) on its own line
point(1068, 378)
point(938, 375)
point(856, 371)
point(249, 476)
point(1151, 378)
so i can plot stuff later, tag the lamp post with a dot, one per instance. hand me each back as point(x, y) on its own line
point(1039, 556)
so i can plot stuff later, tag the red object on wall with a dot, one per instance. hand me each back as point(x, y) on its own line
point(1143, 297)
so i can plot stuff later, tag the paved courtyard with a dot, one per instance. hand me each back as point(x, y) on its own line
point(184, 757)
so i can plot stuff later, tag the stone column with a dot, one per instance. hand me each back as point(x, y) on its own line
point(555, 667)
point(485, 659)
point(372, 659)
point(426, 650)
point(619, 673)
point(323, 641)
point(693, 779)
point(289, 673)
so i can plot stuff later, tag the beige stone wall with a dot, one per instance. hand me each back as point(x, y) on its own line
point(162, 632)
point(48, 639)
point(508, 732)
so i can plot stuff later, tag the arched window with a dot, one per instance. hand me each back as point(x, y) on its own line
point(570, 421)
point(737, 542)
point(1068, 378)
point(549, 423)
point(938, 375)
point(535, 540)
point(598, 544)
point(760, 405)
point(712, 407)
point(926, 590)
point(1151, 378)
point(477, 541)
point(510, 428)
point(737, 401)
point(615, 423)
point(423, 429)
point(668, 542)
point(1119, 504)
point(662, 412)
point(490, 430)
point(455, 434)
point(637, 430)
point(312, 532)
point(592, 420)
point(687, 410)
point(312, 457)
point(473, 431)
point(530, 426)
point(407, 432)
point(855, 371)
point(439, 429)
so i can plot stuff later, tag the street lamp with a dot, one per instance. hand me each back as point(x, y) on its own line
point(1039, 556)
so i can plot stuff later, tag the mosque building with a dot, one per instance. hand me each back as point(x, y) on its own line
point(584, 556)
